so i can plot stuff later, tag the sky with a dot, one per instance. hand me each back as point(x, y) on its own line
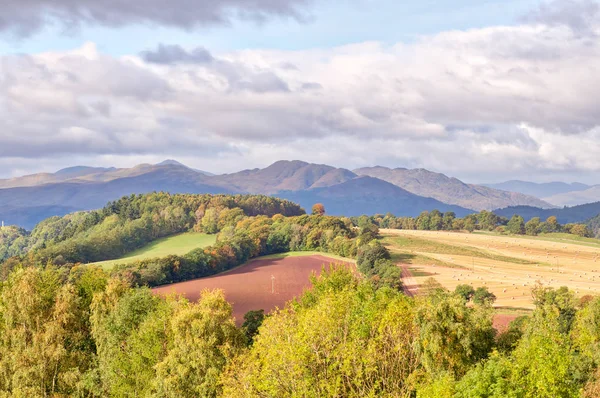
point(485, 90)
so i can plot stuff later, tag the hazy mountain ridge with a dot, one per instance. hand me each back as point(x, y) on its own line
point(539, 190)
point(352, 197)
point(576, 198)
point(340, 190)
point(575, 214)
point(450, 190)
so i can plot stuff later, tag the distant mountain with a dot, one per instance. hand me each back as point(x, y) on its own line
point(171, 162)
point(368, 195)
point(25, 206)
point(539, 190)
point(284, 176)
point(575, 214)
point(49, 178)
point(450, 190)
point(30, 199)
point(590, 195)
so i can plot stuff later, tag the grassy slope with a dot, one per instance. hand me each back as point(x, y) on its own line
point(177, 245)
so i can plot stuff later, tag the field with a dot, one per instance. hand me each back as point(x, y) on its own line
point(177, 245)
point(263, 283)
point(508, 266)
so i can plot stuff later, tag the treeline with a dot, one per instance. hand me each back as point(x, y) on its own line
point(130, 223)
point(76, 332)
point(483, 221)
point(594, 225)
point(257, 236)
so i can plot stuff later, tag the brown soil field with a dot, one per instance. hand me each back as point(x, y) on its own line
point(259, 284)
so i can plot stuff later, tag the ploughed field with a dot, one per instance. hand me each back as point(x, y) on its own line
point(263, 283)
point(508, 266)
point(173, 245)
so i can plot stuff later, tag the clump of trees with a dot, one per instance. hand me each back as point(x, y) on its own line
point(78, 332)
point(131, 222)
point(261, 235)
point(483, 221)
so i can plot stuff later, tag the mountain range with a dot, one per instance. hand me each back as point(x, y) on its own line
point(556, 193)
point(29, 199)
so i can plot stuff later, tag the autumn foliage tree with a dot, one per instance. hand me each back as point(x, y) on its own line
point(318, 209)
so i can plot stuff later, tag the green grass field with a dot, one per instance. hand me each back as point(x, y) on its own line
point(172, 245)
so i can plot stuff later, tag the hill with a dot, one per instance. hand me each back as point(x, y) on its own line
point(450, 190)
point(284, 176)
point(539, 190)
point(26, 206)
point(131, 223)
point(352, 197)
point(590, 195)
point(575, 214)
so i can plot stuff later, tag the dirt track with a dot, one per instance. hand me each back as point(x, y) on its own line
point(259, 284)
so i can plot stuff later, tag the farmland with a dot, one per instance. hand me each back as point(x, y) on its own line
point(264, 283)
point(172, 245)
point(508, 266)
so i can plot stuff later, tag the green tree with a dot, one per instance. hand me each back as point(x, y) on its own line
point(516, 225)
point(465, 291)
point(252, 321)
point(483, 296)
point(343, 338)
point(452, 336)
point(532, 227)
point(204, 340)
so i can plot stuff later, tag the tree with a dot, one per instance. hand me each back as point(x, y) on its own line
point(465, 291)
point(552, 224)
point(483, 296)
point(252, 321)
point(368, 255)
point(318, 209)
point(581, 230)
point(532, 227)
point(341, 339)
point(452, 336)
point(204, 340)
point(516, 225)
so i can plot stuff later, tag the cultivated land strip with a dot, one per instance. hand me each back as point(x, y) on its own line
point(509, 267)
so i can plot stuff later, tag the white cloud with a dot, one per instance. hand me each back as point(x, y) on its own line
point(483, 103)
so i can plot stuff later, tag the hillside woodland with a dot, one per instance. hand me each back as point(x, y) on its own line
point(72, 329)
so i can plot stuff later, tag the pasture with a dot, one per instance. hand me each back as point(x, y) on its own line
point(508, 266)
point(172, 245)
point(263, 283)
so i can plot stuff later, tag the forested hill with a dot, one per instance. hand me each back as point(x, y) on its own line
point(131, 222)
point(575, 214)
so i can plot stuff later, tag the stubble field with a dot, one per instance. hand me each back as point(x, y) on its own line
point(508, 266)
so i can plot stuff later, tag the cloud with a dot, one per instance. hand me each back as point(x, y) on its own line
point(581, 16)
point(173, 54)
point(25, 18)
point(480, 104)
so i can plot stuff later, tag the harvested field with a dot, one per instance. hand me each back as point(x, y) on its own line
point(259, 284)
point(508, 266)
